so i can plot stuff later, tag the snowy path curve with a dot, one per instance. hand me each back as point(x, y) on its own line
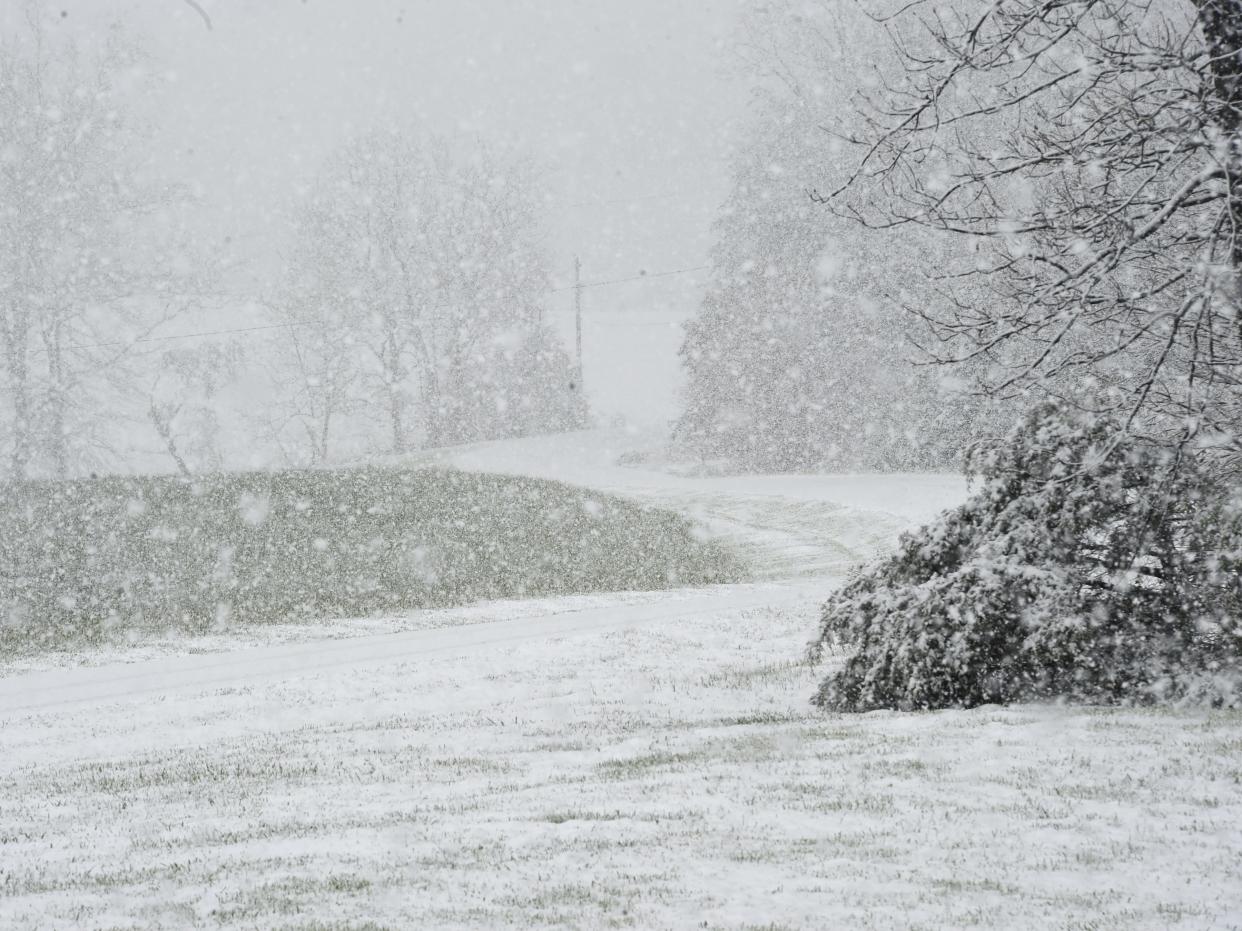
point(787, 526)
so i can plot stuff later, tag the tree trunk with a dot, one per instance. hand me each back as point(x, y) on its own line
point(433, 418)
point(396, 418)
point(325, 429)
point(19, 462)
point(1222, 32)
point(17, 368)
point(393, 374)
point(162, 417)
point(58, 408)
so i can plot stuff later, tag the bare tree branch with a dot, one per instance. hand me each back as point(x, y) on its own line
point(197, 8)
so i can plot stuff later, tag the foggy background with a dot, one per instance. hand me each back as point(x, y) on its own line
point(629, 108)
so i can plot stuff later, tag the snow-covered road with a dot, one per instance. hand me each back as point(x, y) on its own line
point(62, 688)
point(788, 526)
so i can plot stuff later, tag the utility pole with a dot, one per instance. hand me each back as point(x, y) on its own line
point(578, 315)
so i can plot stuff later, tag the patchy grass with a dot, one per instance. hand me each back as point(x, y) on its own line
point(639, 766)
point(561, 817)
point(87, 561)
point(636, 788)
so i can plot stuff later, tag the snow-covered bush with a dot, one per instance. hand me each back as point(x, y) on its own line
point(1084, 567)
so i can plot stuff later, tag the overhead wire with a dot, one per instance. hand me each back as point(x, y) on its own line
point(294, 323)
point(621, 200)
point(229, 331)
point(639, 277)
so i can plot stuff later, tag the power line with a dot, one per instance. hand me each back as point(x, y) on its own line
point(578, 316)
point(623, 200)
point(626, 320)
point(195, 335)
point(296, 323)
point(640, 277)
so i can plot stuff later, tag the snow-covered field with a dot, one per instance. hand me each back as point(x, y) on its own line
point(635, 761)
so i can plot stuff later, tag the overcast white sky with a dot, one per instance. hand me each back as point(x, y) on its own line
point(628, 104)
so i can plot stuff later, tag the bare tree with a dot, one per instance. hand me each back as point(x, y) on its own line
point(89, 258)
point(197, 8)
point(315, 368)
point(181, 401)
point(1087, 152)
point(413, 271)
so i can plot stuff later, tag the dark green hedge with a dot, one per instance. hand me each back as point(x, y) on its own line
point(81, 558)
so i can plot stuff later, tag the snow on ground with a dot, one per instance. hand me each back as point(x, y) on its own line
point(155, 648)
point(635, 760)
point(540, 620)
point(669, 775)
point(787, 525)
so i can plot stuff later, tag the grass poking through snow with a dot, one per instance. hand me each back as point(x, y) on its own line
point(663, 778)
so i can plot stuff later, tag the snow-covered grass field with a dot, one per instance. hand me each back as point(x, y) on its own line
point(667, 775)
point(639, 760)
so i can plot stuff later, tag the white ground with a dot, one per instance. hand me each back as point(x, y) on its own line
point(789, 525)
point(631, 760)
